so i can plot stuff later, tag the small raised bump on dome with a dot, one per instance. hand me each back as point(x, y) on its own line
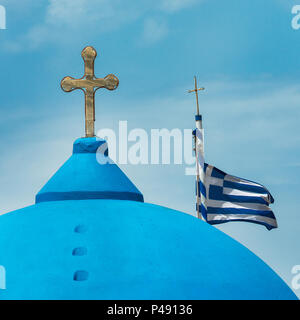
point(80, 228)
point(81, 275)
point(80, 251)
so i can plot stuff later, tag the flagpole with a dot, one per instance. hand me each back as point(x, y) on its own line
point(197, 160)
point(199, 200)
point(197, 180)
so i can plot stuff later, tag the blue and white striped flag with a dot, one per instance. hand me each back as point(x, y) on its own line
point(229, 198)
point(222, 197)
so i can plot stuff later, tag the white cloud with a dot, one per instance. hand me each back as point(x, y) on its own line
point(68, 21)
point(154, 30)
point(80, 13)
point(176, 5)
point(17, 4)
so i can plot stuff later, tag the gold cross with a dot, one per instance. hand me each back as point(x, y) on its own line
point(196, 92)
point(89, 84)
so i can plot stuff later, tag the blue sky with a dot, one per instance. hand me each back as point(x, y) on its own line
point(245, 53)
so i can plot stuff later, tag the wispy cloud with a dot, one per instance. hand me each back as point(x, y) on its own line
point(70, 21)
point(154, 30)
point(67, 21)
point(176, 5)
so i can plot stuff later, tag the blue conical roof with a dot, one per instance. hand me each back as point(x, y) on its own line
point(89, 174)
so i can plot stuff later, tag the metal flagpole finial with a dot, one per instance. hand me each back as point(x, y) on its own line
point(89, 84)
point(196, 93)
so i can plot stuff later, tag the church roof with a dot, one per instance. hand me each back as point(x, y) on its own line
point(89, 174)
point(113, 249)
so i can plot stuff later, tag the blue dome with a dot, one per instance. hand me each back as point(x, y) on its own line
point(108, 248)
point(89, 174)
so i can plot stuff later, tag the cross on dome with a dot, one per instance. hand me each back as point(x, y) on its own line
point(89, 84)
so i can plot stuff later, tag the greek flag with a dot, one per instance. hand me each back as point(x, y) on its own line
point(229, 198)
